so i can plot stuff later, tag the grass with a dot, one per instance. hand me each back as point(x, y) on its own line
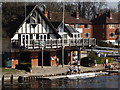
point(9, 70)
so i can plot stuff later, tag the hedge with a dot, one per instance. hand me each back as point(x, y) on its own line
point(101, 60)
point(88, 61)
point(24, 66)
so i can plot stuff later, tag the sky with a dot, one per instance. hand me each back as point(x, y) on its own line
point(113, 4)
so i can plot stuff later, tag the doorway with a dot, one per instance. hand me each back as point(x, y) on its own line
point(46, 58)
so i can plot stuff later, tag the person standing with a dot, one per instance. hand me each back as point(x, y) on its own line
point(79, 68)
point(57, 62)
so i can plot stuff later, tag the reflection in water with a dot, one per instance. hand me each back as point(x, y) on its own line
point(96, 82)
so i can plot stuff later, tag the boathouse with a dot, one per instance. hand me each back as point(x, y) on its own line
point(38, 41)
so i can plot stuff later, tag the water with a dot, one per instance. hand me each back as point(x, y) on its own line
point(110, 81)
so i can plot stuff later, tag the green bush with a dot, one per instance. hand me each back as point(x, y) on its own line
point(101, 60)
point(87, 61)
point(24, 66)
point(90, 60)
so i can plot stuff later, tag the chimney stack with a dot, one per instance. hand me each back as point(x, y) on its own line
point(95, 16)
point(46, 13)
point(77, 15)
point(109, 14)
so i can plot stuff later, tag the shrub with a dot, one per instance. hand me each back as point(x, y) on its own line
point(24, 66)
point(90, 60)
point(87, 61)
point(92, 55)
point(101, 60)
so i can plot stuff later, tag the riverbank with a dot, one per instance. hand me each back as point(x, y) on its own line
point(47, 71)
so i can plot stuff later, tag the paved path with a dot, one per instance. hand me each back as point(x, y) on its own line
point(47, 70)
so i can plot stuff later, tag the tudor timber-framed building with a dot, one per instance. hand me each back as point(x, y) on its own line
point(36, 40)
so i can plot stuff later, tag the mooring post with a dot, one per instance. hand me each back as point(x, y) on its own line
point(11, 79)
point(42, 57)
point(3, 80)
point(20, 79)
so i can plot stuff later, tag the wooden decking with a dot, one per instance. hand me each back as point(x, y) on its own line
point(55, 43)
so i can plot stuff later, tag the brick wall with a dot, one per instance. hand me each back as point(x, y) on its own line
point(34, 59)
point(109, 30)
point(34, 62)
point(70, 57)
point(86, 30)
point(53, 55)
point(14, 63)
point(99, 32)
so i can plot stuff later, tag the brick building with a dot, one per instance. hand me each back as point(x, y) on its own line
point(105, 26)
point(74, 20)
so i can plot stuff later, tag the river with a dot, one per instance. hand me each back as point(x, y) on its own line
point(109, 81)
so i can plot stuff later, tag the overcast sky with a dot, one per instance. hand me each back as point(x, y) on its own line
point(113, 4)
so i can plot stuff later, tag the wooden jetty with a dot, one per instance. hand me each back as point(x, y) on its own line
point(113, 71)
point(75, 76)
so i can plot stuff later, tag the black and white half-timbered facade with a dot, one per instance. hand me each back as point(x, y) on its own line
point(40, 42)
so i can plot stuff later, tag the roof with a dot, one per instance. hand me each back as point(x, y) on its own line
point(105, 18)
point(70, 29)
point(15, 24)
point(68, 18)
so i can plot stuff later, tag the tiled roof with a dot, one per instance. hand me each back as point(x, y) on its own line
point(105, 18)
point(68, 18)
point(115, 18)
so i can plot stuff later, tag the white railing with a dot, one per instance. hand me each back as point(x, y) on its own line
point(55, 43)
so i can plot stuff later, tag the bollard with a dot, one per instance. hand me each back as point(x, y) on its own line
point(20, 79)
point(11, 79)
point(2, 80)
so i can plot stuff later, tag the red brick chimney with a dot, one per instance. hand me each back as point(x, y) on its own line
point(95, 16)
point(46, 13)
point(110, 14)
point(77, 15)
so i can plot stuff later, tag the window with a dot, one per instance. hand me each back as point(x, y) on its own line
point(44, 36)
point(65, 35)
point(41, 37)
point(37, 36)
point(31, 36)
point(75, 35)
point(19, 36)
point(86, 35)
point(112, 35)
point(26, 36)
point(112, 26)
point(76, 25)
point(48, 36)
point(86, 26)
